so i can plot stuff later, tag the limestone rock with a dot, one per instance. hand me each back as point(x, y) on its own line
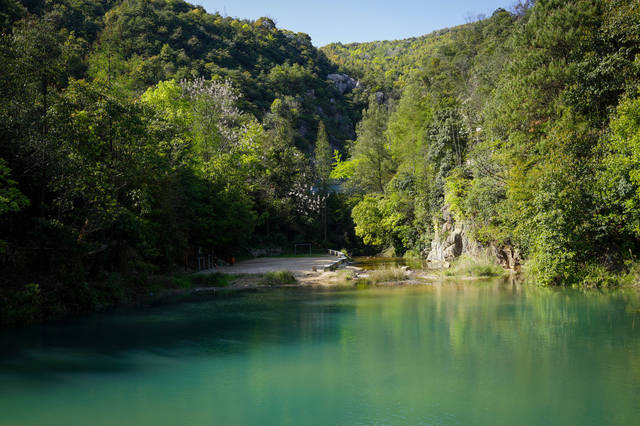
point(452, 240)
point(343, 82)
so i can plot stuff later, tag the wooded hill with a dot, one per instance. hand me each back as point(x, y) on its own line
point(136, 135)
point(522, 126)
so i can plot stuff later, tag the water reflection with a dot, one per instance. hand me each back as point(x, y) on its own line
point(473, 353)
point(214, 327)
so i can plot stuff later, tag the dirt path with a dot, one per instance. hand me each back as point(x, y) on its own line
point(262, 265)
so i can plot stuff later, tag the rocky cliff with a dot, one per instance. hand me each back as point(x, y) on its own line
point(453, 239)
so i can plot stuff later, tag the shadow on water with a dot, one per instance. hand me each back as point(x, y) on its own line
point(215, 327)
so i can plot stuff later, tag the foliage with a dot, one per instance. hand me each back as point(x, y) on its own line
point(522, 125)
point(323, 156)
point(371, 152)
point(392, 275)
point(11, 199)
point(477, 266)
point(278, 278)
point(137, 136)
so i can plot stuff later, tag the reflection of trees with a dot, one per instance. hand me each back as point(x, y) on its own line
point(483, 342)
point(472, 353)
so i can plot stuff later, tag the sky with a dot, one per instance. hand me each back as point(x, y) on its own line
point(346, 21)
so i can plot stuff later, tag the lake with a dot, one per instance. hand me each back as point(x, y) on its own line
point(488, 352)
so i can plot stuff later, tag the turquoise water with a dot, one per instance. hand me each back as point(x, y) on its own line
point(483, 353)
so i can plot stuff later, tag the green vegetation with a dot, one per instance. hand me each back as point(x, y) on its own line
point(522, 126)
point(379, 276)
point(136, 136)
point(278, 278)
point(476, 266)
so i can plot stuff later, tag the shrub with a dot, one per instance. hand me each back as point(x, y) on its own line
point(480, 266)
point(346, 274)
point(278, 278)
point(387, 275)
point(182, 282)
point(25, 307)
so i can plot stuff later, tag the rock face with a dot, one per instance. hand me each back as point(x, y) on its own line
point(449, 243)
point(452, 240)
point(343, 82)
point(507, 256)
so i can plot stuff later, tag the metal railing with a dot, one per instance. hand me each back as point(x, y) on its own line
point(336, 253)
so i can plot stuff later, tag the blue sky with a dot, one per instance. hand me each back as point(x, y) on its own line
point(347, 21)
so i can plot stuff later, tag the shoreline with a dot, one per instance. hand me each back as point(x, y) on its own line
point(178, 288)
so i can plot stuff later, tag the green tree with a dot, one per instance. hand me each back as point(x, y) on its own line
point(323, 156)
point(323, 160)
point(371, 150)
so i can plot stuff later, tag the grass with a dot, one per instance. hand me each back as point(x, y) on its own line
point(387, 275)
point(381, 276)
point(279, 278)
point(480, 266)
point(346, 274)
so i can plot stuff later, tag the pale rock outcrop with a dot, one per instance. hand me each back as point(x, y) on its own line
point(452, 240)
point(343, 82)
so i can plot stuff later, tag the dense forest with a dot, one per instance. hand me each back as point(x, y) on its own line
point(521, 128)
point(136, 135)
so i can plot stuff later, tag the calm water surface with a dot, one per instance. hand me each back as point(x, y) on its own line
point(483, 353)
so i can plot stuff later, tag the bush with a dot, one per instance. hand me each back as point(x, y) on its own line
point(279, 278)
point(387, 275)
point(183, 282)
point(598, 276)
point(24, 308)
point(412, 254)
point(480, 266)
point(216, 279)
point(346, 274)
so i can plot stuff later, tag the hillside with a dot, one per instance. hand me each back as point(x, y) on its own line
point(389, 64)
point(513, 136)
point(138, 135)
point(386, 64)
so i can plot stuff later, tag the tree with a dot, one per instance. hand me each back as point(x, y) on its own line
point(323, 160)
point(323, 156)
point(371, 150)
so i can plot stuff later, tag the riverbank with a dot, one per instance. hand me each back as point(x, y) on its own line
point(36, 304)
point(347, 276)
point(37, 299)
